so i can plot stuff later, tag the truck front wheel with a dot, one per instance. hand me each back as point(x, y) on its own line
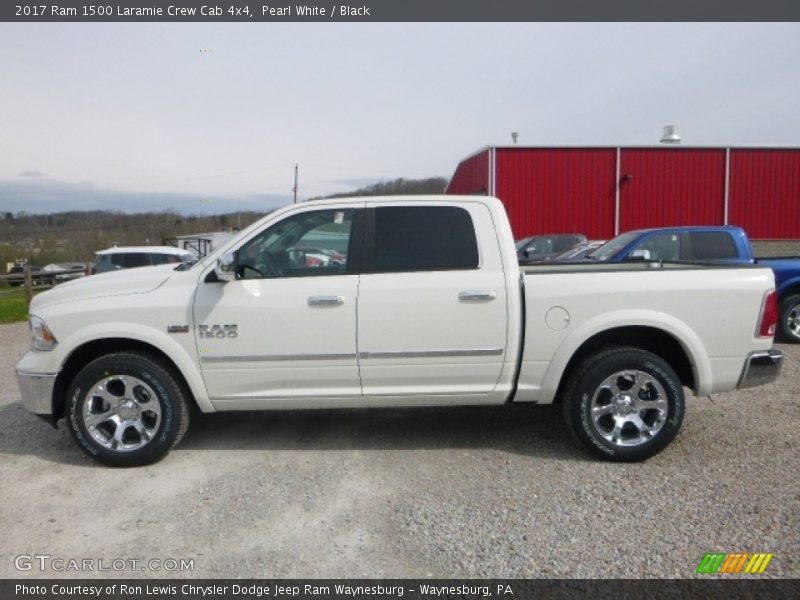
point(624, 404)
point(126, 409)
point(790, 319)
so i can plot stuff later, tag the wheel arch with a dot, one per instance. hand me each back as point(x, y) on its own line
point(651, 339)
point(91, 350)
point(789, 288)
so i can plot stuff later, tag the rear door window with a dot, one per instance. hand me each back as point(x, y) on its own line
point(564, 242)
point(709, 245)
point(424, 238)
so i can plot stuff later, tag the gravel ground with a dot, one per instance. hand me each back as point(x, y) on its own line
point(466, 492)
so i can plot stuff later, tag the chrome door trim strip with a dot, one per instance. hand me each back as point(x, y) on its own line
point(217, 358)
point(432, 353)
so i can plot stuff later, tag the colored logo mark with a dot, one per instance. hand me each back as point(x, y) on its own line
point(740, 562)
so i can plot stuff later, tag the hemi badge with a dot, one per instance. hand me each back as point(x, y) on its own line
point(177, 329)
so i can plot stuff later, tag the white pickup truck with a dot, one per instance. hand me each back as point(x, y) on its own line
point(419, 301)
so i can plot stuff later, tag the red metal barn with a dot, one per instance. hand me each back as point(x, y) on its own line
point(607, 190)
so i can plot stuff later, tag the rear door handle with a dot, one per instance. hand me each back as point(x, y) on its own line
point(476, 296)
point(325, 300)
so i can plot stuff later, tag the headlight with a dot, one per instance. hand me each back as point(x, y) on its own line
point(43, 338)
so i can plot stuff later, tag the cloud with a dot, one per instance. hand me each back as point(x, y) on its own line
point(47, 196)
point(33, 174)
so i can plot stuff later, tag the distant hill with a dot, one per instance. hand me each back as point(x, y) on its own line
point(400, 186)
point(77, 235)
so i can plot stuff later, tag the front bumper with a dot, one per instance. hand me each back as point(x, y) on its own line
point(37, 391)
point(761, 368)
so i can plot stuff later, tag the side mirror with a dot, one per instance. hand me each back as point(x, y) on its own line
point(225, 269)
point(639, 255)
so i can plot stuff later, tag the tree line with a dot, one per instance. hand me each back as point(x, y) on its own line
point(396, 187)
point(76, 235)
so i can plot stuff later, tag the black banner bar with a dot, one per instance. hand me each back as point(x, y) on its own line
point(278, 11)
point(380, 589)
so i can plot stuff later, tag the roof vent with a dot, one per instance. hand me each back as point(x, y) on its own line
point(671, 135)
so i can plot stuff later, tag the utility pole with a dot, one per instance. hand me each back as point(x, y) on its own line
point(294, 189)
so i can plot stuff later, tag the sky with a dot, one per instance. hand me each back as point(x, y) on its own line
point(212, 117)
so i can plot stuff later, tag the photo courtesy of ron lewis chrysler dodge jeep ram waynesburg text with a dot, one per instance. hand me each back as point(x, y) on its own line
point(425, 305)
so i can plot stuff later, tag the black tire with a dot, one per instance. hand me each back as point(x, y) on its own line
point(593, 411)
point(150, 417)
point(789, 319)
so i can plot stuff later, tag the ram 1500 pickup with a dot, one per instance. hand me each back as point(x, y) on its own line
point(712, 244)
point(424, 304)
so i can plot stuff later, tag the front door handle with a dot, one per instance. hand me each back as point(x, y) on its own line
point(476, 296)
point(325, 300)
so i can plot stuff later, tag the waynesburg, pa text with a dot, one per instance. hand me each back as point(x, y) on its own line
point(274, 591)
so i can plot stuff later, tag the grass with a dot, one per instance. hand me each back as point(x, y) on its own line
point(13, 305)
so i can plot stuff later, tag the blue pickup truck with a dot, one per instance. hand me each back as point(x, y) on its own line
point(711, 244)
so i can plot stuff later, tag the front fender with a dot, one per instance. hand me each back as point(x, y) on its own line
point(184, 361)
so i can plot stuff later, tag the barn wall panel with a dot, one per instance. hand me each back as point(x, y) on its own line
point(765, 192)
point(558, 190)
point(671, 187)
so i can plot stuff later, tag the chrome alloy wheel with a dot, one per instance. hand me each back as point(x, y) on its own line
point(121, 413)
point(629, 408)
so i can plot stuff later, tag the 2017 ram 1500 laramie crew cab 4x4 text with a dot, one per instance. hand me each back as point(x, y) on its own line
point(424, 304)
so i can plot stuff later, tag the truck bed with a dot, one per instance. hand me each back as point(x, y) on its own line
point(641, 298)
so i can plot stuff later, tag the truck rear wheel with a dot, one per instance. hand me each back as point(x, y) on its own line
point(126, 409)
point(789, 325)
point(624, 404)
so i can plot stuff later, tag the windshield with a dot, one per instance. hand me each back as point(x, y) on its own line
point(522, 243)
point(578, 251)
point(609, 249)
